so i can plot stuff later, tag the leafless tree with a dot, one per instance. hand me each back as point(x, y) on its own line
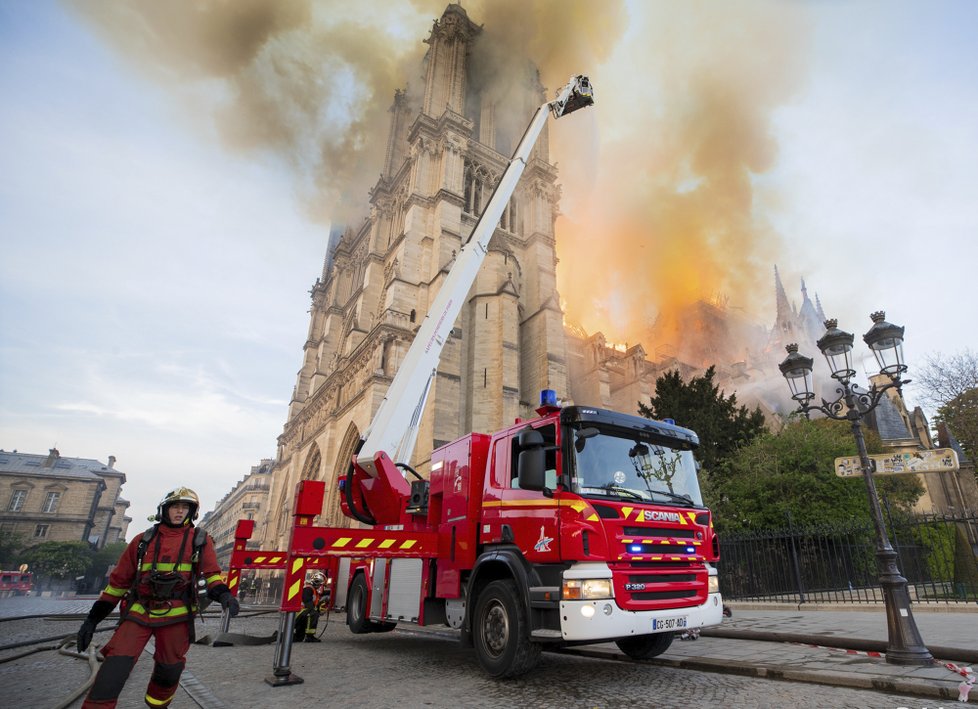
point(944, 378)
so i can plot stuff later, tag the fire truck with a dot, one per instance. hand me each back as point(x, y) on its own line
point(16, 583)
point(580, 525)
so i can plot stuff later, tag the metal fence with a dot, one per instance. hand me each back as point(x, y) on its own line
point(937, 554)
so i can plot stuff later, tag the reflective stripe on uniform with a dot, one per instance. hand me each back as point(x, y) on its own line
point(113, 591)
point(154, 702)
point(214, 579)
point(167, 567)
point(140, 609)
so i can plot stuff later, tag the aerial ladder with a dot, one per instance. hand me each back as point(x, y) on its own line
point(375, 489)
point(389, 441)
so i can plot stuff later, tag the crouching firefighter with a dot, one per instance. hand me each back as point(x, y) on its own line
point(157, 576)
point(315, 596)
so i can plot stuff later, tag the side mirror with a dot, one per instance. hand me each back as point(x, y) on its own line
point(580, 438)
point(531, 466)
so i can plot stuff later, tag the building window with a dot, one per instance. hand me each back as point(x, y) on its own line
point(51, 502)
point(17, 500)
point(41, 531)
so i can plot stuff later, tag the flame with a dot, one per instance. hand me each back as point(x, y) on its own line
point(675, 211)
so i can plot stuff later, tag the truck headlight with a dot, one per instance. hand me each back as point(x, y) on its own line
point(713, 585)
point(586, 589)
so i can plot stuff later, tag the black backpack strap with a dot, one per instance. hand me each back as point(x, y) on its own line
point(144, 542)
point(140, 555)
point(200, 539)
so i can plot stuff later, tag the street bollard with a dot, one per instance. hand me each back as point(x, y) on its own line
point(282, 671)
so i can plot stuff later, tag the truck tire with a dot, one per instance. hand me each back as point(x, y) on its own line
point(356, 607)
point(501, 632)
point(645, 647)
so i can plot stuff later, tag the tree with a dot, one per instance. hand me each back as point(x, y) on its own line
point(102, 559)
point(699, 404)
point(944, 378)
point(793, 473)
point(59, 560)
point(960, 415)
point(11, 545)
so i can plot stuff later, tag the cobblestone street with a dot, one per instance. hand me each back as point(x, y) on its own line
point(412, 668)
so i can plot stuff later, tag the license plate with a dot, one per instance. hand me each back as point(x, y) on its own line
point(669, 623)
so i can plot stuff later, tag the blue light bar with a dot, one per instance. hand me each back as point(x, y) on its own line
point(548, 397)
point(635, 548)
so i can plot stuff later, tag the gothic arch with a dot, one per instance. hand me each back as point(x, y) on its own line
point(332, 514)
point(310, 471)
point(314, 461)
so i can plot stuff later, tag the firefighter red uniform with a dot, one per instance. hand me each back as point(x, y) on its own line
point(157, 574)
point(314, 598)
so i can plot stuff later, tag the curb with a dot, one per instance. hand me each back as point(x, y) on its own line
point(848, 607)
point(966, 655)
point(917, 688)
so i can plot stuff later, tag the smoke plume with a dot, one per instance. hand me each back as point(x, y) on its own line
point(307, 83)
point(663, 189)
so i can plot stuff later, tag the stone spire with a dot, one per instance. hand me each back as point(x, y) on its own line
point(784, 325)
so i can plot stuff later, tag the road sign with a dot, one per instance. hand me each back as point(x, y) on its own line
point(938, 460)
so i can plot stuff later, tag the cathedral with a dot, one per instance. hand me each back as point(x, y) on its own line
point(447, 145)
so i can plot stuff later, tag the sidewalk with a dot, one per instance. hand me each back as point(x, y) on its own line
point(828, 645)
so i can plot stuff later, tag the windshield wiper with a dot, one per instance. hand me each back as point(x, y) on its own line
point(684, 499)
point(624, 491)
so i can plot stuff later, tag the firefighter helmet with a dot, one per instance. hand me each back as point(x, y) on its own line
point(317, 579)
point(180, 494)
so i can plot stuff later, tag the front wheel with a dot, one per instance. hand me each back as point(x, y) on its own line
point(645, 647)
point(501, 632)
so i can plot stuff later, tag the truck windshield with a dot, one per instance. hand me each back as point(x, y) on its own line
point(612, 463)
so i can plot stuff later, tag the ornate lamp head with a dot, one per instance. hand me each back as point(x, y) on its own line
point(797, 370)
point(886, 342)
point(836, 345)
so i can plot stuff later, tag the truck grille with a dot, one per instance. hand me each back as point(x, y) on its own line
point(676, 532)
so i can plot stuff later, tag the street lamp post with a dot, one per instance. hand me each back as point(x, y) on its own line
point(904, 644)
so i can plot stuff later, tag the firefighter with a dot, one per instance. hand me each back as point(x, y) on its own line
point(157, 575)
point(315, 596)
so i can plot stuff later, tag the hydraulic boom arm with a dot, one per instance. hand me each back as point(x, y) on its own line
point(392, 433)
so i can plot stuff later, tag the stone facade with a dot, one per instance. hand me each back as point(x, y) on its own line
point(246, 500)
point(51, 498)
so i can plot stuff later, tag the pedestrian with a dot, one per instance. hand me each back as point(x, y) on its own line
point(156, 580)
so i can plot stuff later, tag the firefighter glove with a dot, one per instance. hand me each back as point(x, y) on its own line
point(98, 612)
point(85, 633)
point(229, 603)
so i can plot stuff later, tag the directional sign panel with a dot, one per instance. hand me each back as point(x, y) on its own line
point(938, 460)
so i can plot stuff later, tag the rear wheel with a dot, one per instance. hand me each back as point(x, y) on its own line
point(644, 647)
point(356, 606)
point(356, 610)
point(501, 632)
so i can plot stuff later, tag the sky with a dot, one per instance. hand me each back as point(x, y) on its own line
point(170, 179)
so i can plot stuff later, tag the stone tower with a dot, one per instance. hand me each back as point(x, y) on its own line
point(446, 148)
